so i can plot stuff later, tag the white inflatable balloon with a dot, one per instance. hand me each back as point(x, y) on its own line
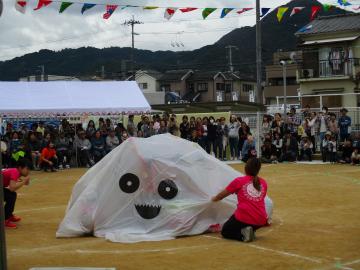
point(150, 189)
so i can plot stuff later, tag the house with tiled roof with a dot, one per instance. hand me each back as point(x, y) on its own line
point(329, 73)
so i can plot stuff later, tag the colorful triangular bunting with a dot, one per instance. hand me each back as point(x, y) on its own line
point(150, 7)
point(86, 7)
point(280, 13)
point(207, 11)
point(327, 7)
point(188, 9)
point(64, 5)
point(264, 11)
point(169, 12)
point(42, 3)
point(314, 11)
point(344, 3)
point(110, 9)
point(296, 10)
point(225, 11)
point(243, 10)
point(20, 5)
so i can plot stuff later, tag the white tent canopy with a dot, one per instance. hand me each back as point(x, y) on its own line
point(71, 98)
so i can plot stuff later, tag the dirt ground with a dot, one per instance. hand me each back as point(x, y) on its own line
point(316, 226)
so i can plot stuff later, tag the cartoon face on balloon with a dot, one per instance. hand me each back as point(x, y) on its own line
point(167, 189)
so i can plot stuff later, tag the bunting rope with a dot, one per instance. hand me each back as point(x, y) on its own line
point(21, 5)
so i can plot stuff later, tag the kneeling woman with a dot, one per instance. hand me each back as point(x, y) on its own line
point(250, 214)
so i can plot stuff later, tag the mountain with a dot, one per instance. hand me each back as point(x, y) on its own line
point(88, 61)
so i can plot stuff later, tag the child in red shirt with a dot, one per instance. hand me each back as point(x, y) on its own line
point(250, 214)
point(48, 157)
point(13, 179)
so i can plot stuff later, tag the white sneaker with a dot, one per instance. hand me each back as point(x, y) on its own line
point(61, 167)
point(67, 166)
point(248, 234)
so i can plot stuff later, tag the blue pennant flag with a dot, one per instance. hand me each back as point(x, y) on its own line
point(87, 7)
point(264, 11)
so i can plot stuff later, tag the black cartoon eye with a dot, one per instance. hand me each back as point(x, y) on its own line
point(129, 183)
point(167, 189)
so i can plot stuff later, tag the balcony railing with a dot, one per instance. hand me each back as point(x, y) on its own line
point(330, 69)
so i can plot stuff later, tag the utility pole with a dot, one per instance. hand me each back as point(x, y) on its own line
point(230, 47)
point(258, 54)
point(283, 63)
point(132, 23)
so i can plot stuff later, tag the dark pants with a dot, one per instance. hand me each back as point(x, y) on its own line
point(83, 157)
point(47, 166)
point(306, 154)
point(9, 199)
point(233, 142)
point(232, 229)
point(62, 154)
point(219, 149)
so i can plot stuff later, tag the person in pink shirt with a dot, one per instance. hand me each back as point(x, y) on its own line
point(250, 214)
point(13, 179)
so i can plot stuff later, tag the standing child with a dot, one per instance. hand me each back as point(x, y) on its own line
point(13, 179)
point(250, 214)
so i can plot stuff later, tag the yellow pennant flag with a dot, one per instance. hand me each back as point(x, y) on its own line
point(280, 13)
point(150, 7)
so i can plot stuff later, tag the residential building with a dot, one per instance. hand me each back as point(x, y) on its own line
point(274, 85)
point(148, 81)
point(330, 72)
point(207, 86)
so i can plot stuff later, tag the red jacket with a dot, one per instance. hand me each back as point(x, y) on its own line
point(48, 153)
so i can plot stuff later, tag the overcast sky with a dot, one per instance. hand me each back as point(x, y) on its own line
point(47, 29)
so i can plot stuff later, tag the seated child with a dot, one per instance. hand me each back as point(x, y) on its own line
point(250, 214)
point(306, 148)
point(49, 158)
point(347, 150)
point(13, 179)
point(355, 157)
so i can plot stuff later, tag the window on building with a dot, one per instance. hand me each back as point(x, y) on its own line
point(228, 87)
point(247, 87)
point(202, 87)
point(143, 86)
point(220, 87)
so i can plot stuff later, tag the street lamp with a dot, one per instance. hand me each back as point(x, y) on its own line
point(283, 64)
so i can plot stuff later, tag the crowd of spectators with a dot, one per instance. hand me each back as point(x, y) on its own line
point(298, 136)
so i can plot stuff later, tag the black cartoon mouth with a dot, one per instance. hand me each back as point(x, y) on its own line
point(148, 211)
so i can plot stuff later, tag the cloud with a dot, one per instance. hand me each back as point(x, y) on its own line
point(47, 29)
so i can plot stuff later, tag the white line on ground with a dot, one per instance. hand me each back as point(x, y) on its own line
point(20, 252)
point(352, 262)
point(280, 252)
point(137, 251)
point(40, 209)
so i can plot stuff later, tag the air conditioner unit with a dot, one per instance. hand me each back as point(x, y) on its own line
point(307, 73)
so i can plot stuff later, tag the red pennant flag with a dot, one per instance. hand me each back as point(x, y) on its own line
point(296, 10)
point(20, 5)
point(243, 10)
point(109, 11)
point(189, 9)
point(314, 11)
point(169, 12)
point(43, 3)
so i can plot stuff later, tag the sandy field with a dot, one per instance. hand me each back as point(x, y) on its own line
point(316, 226)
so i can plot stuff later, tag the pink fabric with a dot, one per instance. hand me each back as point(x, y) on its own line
point(12, 174)
point(251, 202)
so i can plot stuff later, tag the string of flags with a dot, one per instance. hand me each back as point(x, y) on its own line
point(21, 5)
